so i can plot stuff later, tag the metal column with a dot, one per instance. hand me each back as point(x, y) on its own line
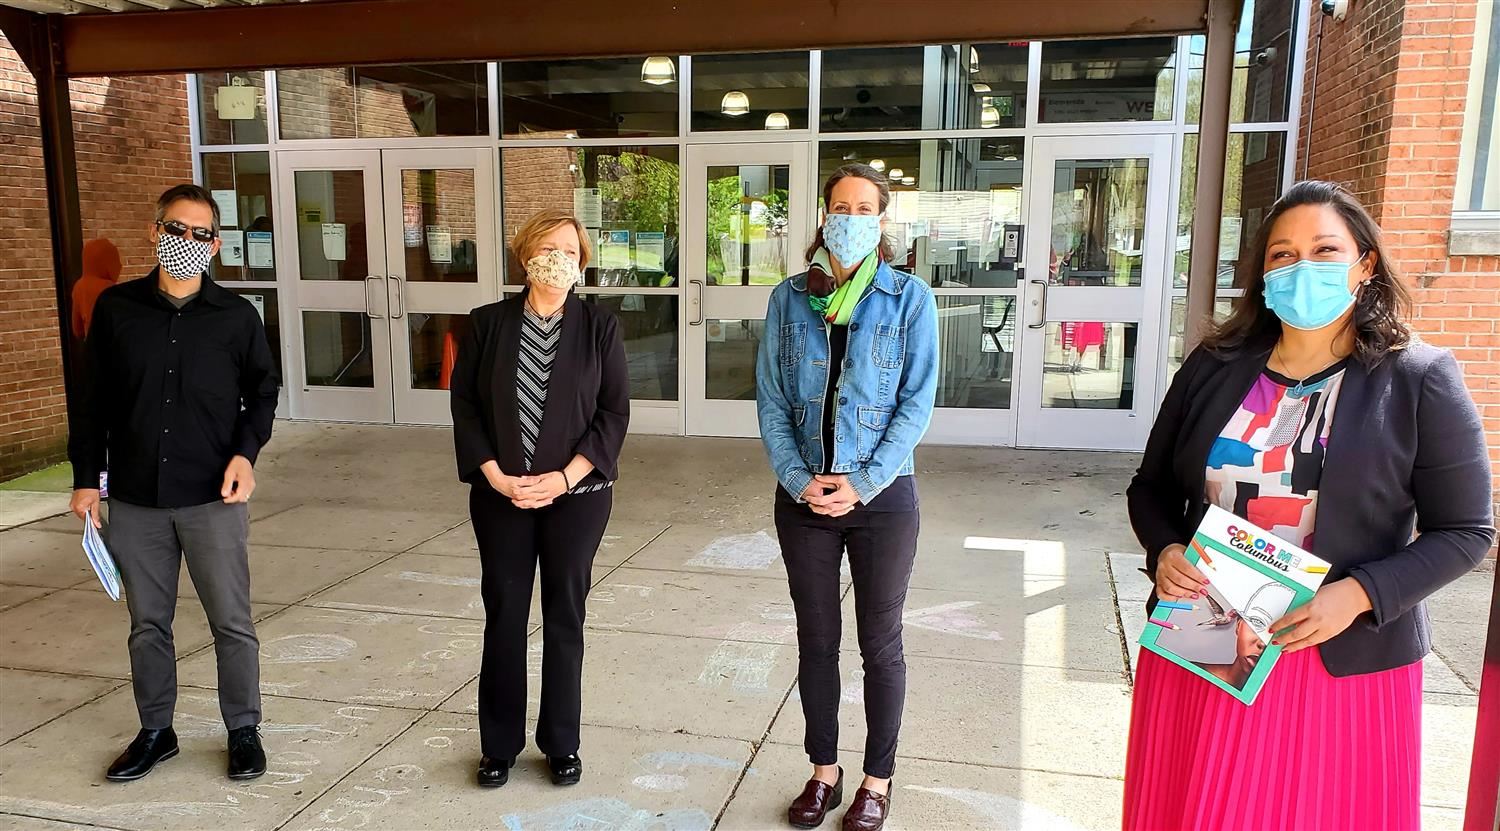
point(1213, 146)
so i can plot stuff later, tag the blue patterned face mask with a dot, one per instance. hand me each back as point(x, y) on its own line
point(851, 237)
point(1309, 295)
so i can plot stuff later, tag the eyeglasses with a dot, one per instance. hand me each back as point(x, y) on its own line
point(177, 229)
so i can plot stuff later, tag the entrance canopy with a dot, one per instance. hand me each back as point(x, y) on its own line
point(159, 36)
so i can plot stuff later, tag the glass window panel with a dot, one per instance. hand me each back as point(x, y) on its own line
point(649, 322)
point(1129, 79)
point(977, 339)
point(1089, 365)
point(873, 89)
point(244, 179)
point(747, 224)
point(958, 86)
point(603, 98)
point(331, 205)
point(434, 340)
point(384, 101)
point(1478, 186)
point(439, 235)
point(264, 301)
point(626, 196)
point(1177, 336)
point(1253, 175)
point(1098, 222)
point(950, 224)
point(1261, 86)
point(730, 359)
point(336, 349)
point(770, 82)
point(984, 85)
point(232, 108)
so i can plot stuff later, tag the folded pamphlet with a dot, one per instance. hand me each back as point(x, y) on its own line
point(1254, 579)
point(98, 556)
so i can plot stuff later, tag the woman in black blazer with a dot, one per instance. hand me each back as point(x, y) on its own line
point(541, 400)
point(1312, 408)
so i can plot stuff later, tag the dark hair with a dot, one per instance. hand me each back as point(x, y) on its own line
point(886, 250)
point(1380, 311)
point(192, 193)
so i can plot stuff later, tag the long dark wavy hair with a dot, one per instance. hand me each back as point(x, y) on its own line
point(1380, 311)
point(819, 283)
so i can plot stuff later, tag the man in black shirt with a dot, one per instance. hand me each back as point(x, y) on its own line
point(179, 398)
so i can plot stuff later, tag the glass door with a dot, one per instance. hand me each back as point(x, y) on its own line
point(1093, 299)
point(746, 227)
point(336, 265)
point(440, 236)
point(390, 250)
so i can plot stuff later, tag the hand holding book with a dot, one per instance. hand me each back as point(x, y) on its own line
point(1176, 578)
point(1331, 611)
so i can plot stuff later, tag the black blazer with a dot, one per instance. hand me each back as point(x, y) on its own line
point(1406, 451)
point(588, 393)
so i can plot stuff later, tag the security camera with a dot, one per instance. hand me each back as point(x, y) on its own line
point(1264, 56)
point(1336, 9)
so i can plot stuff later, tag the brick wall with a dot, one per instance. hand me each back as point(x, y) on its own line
point(131, 138)
point(1388, 121)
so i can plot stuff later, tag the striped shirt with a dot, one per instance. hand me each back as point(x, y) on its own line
point(539, 339)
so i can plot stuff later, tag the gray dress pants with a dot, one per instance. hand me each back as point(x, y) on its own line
point(148, 545)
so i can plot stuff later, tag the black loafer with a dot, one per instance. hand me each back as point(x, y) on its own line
point(149, 748)
point(566, 770)
point(247, 759)
point(494, 772)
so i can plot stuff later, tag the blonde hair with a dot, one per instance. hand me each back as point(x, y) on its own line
point(529, 237)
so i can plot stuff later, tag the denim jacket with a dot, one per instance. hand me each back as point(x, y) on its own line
point(885, 394)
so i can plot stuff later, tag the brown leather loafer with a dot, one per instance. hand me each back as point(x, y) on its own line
point(868, 811)
point(817, 799)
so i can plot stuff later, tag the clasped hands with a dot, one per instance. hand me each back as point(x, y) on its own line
point(529, 492)
point(830, 495)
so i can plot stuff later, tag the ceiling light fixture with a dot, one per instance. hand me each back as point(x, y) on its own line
point(989, 116)
point(908, 180)
point(979, 87)
point(897, 173)
point(973, 60)
point(658, 70)
point(778, 121)
point(735, 103)
point(878, 164)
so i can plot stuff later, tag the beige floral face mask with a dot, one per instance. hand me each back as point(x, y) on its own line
point(555, 269)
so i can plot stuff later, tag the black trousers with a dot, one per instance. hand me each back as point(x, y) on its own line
point(564, 536)
point(882, 548)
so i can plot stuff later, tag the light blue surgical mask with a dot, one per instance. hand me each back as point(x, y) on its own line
point(851, 237)
point(1309, 295)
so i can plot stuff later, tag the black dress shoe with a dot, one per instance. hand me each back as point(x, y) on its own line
point(247, 759)
point(149, 747)
point(494, 772)
point(566, 770)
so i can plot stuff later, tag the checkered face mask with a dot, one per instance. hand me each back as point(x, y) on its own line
point(183, 257)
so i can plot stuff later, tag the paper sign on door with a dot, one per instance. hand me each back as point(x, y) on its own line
point(258, 249)
point(232, 249)
point(333, 241)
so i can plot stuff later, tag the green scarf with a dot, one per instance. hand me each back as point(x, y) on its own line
point(838, 307)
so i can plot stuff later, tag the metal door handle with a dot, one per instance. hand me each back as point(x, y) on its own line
point(370, 310)
point(1042, 319)
point(400, 307)
point(699, 296)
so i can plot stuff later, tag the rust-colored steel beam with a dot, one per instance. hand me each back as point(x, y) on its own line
point(352, 32)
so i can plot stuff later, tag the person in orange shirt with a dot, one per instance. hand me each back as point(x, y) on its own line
point(101, 269)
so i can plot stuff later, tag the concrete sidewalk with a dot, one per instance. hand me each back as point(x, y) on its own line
point(1023, 604)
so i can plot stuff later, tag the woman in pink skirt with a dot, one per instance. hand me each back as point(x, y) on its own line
point(1316, 414)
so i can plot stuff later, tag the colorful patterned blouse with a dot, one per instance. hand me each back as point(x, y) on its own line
point(1267, 462)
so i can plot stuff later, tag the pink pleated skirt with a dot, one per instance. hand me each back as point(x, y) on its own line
point(1314, 751)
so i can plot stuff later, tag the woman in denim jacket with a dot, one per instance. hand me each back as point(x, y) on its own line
point(861, 338)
